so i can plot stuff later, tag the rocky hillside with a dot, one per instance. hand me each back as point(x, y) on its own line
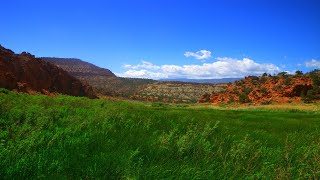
point(103, 80)
point(25, 73)
point(177, 92)
point(106, 83)
point(267, 89)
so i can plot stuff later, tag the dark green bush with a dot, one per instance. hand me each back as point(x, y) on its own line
point(287, 81)
point(247, 90)
point(239, 83)
point(254, 78)
point(263, 90)
point(243, 98)
point(277, 87)
point(267, 102)
point(263, 79)
point(283, 74)
point(4, 91)
point(231, 100)
point(159, 105)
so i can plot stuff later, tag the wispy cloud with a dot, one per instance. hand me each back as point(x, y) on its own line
point(313, 64)
point(143, 64)
point(132, 73)
point(200, 55)
point(223, 67)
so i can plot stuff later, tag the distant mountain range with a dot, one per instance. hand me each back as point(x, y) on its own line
point(209, 81)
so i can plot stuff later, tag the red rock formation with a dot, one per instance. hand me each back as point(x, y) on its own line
point(204, 98)
point(263, 89)
point(26, 73)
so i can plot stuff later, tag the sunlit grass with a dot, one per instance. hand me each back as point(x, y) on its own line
point(315, 107)
point(78, 138)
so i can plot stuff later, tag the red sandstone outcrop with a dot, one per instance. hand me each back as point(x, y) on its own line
point(26, 73)
point(263, 89)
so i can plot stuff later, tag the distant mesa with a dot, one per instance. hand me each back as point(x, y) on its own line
point(102, 80)
point(77, 67)
point(25, 73)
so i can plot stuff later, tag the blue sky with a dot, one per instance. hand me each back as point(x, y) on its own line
point(169, 38)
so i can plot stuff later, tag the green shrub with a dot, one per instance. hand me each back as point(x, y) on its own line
point(315, 76)
point(263, 79)
point(287, 81)
point(275, 78)
point(277, 87)
point(239, 83)
point(243, 98)
point(159, 105)
point(267, 102)
point(4, 91)
point(236, 92)
point(310, 96)
point(231, 100)
point(247, 90)
point(283, 74)
point(263, 90)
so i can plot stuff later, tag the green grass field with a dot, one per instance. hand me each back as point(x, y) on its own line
point(78, 138)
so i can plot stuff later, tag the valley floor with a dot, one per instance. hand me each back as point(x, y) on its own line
point(71, 138)
point(291, 107)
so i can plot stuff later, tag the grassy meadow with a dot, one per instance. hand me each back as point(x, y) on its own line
point(78, 138)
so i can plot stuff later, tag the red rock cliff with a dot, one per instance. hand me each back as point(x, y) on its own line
point(26, 73)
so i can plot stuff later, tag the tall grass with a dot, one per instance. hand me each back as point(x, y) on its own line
point(71, 138)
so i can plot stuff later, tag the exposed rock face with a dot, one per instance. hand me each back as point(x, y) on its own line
point(26, 73)
point(263, 89)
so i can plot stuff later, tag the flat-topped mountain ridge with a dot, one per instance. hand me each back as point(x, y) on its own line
point(77, 67)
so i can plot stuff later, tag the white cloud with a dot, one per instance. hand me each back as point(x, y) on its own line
point(200, 55)
point(143, 64)
point(142, 74)
point(313, 64)
point(222, 68)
